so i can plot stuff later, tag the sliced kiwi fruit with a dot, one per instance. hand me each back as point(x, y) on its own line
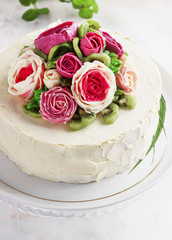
point(75, 123)
point(86, 118)
point(110, 113)
point(31, 112)
point(59, 50)
point(77, 49)
point(81, 120)
point(83, 29)
point(94, 24)
point(128, 101)
point(102, 57)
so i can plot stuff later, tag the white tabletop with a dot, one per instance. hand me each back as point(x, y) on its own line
point(149, 24)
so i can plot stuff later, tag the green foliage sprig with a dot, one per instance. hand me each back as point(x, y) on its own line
point(160, 127)
point(86, 8)
point(34, 12)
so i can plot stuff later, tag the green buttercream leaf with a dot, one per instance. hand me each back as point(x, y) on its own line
point(35, 100)
point(41, 54)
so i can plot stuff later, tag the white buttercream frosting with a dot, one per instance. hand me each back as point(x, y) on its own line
point(53, 152)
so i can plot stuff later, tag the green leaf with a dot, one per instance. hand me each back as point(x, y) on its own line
point(43, 11)
point(161, 112)
point(51, 65)
point(33, 1)
point(126, 54)
point(25, 2)
point(136, 165)
point(35, 100)
point(41, 54)
point(30, 14)
point(78, 4)
point(95, 7)
point(67, 1)
point(85, 13)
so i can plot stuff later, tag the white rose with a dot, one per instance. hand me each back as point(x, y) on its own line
point(26, 75)
point(51, 78)
point(93, 86)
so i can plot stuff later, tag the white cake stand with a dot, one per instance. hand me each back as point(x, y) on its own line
point(40, 197)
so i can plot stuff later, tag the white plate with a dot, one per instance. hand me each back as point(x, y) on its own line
point(41, 197)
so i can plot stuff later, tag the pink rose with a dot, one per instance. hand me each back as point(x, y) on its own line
point(92, 43)
point(26, 75)
point(68, 65)
point(64, 32)
point(126, 79)
point(93, 86)
point(112, 45)
point(57, 105)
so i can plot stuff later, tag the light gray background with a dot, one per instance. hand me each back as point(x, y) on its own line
point(149, 23)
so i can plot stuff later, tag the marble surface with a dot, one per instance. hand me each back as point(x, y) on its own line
point(148, 23)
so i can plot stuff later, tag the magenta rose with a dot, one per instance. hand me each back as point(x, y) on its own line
point(112, 45)
point(57, 105)
point(54, 36)
point(68, 65)
point(92, 43)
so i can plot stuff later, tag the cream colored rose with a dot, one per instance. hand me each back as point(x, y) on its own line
point(93, 86)
point(26, 75)
point(51, 78)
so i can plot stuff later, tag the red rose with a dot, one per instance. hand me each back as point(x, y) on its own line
point(57, 105)
point(112, 45)
point(92, 43)
point(54, 36)
point(68, 65)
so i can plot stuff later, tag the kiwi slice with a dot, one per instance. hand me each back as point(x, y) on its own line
point(31, 112)
point(77, 49)
point(59, 50)
point(102, 57)
point(94, 24)
point(81, 120)
point(83, 29)
point(86, 118)
point(128, 101)
point(110, 114)
point(75, 123)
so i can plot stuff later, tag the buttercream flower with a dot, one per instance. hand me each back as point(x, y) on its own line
point(126, 79)
point(93, 86)
point(92, 43)
point(57, 105)
point(68, 65)
point(26, 75)
point(51, 78)
point(64, 32)
point(112, 45)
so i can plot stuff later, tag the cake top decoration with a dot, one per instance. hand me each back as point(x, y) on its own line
point(71, 73)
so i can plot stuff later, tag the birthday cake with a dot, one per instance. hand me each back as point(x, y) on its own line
point(78, 103)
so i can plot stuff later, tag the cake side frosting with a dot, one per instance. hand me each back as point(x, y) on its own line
point(52, 152)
